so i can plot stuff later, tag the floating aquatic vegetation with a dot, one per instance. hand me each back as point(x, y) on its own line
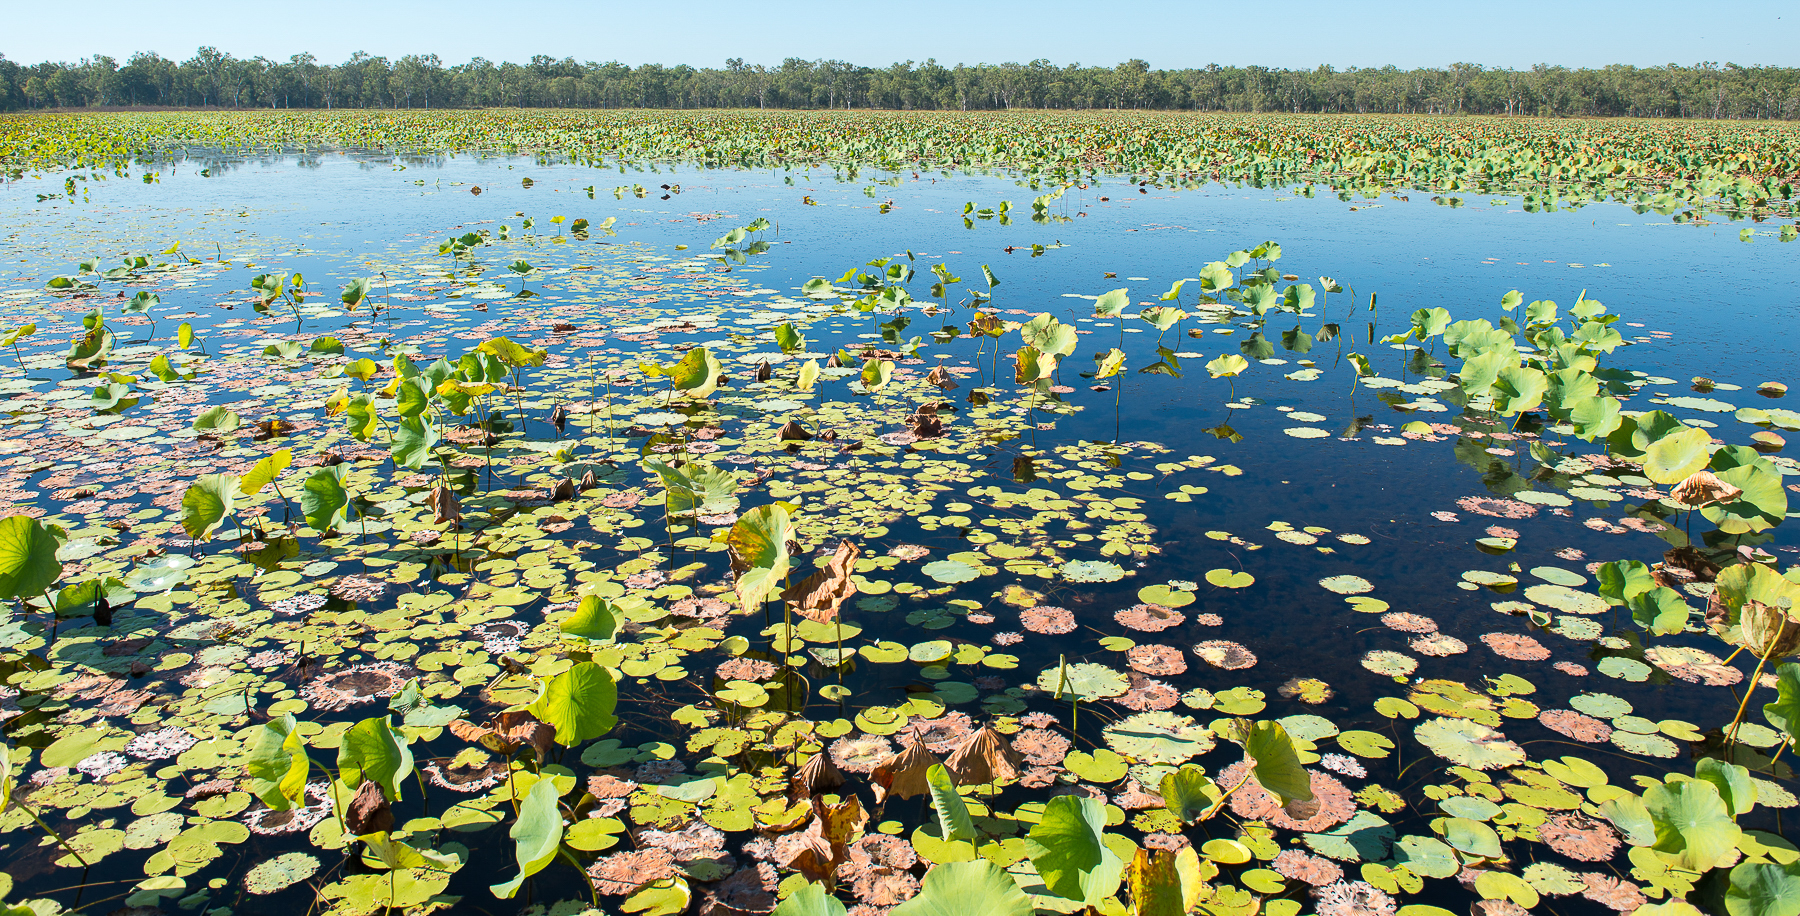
point(1157, 660)
point(1613, 893)
point(161, 744)
point(354, 686)
point(1047, 620)
point(860, 754)
point(1438, 645)
point(1470, 744)
point(1335, 804)
point(1308, 869)
point(1579, 837)
point(1388, 662)
point(624, 872)
point(1040, 747)
point(1343, 766)
point(1575, 725)
point(466, 776)
point(571, 518)
point(1149, 618)
point(1224, 654)
point(1516, 646)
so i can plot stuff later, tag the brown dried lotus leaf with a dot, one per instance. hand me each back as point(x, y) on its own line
point(924, 422)
point(984, 758)
point(606, 785)
point(819, 597)
point(903, 775)
point(825, 844)
point(508, 732)
point(818, 776)
point(622, 873)
point(1703, 488)
point(1768, 632)
point(368, 811)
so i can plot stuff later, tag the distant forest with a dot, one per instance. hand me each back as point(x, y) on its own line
point(213, 79)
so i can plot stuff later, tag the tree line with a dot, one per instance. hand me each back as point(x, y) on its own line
point(214, 79)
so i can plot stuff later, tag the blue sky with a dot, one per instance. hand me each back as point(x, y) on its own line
point(1167, 33)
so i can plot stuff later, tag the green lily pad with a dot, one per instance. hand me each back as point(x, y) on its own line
point(1499, 885)
point(1307, 727)
point(1159, 736)
point(1469, 806)
point(1239, 701)
point(1346, 585)
point(281, 872)
point(1091, 571)
point(1647, 745)
point(1552, 880)
point(1600, 705)
point(931, 651)
point(1566, 599)
point(1367, 745)
point(1390, 663)
point(950, 572)
point(884, 653)
point(1559, 576)
point(1087, 681)
point(1396, 708)
point(1165, 596)
point(1100, 767)
point(1576, 772)
point(1470, 836)
point(1490, 579)
point(1365, 837)
point(1628, 669)
point(1470, 744)
point(1225, 578)
point(1427, 857)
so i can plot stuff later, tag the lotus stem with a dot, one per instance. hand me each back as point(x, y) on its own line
point(53, 834)
point(1744, 704)
point(1215, 806)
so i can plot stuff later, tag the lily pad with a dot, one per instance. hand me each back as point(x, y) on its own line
point(1159, 737)
point(950, 572)
point(1389, 663)
point(1365, 837)
point(1089, 571)
point(1566, 599)
point(1086, 680)
point(281, 872)
point(1225, 578)
point(1346, 585)
point(1468, 743)
point(1165, 595)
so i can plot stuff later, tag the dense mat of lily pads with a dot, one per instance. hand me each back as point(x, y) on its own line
point(1678, 169)
point(628, 583)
